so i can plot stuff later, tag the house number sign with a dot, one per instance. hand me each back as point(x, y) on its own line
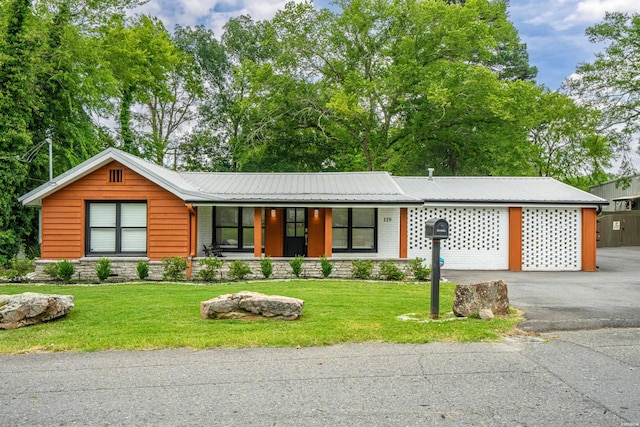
point(387, 219)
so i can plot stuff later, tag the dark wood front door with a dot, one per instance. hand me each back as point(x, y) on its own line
point(295, 232)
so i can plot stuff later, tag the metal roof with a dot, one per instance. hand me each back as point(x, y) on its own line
point(327, 188)
point(318, 187)
point(524, 190)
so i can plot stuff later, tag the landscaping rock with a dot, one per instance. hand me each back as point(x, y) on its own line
point(30, 308)
point(251, 305)
point(486, 314)
point(470, 299)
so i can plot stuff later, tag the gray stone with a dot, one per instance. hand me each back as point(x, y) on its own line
point(470, 299)
point(30, 308)
point(251, 305)
point(486, 314)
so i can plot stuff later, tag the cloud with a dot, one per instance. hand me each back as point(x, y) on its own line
point(590, 11)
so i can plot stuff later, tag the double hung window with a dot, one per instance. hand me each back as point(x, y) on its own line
point(116, 228)
point(355, 230)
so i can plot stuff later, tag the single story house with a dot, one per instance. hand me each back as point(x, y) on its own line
point(120, 206)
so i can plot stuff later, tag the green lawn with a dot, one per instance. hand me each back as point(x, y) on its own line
point(157, 315)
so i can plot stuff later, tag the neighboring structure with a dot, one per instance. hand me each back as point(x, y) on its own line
point(620, 224)
point(120, 206)
point(621, 198)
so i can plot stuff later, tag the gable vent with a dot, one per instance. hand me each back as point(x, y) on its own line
point(115, 175)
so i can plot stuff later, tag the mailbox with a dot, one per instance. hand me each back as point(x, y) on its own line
point(437, 229)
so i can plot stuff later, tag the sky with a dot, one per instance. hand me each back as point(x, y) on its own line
point(554, 30)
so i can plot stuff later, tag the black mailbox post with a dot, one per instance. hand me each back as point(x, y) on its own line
point(436, 230)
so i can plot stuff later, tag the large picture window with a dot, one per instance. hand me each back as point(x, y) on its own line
point(234, 228)
point(116, 228)
point(354, 229)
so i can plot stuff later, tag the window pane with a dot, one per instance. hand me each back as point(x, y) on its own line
point(362, 238)
point(247, 217)
point(227, 217)
point(363, 217)
point(300, 214)
point(291, 215)
point(133, 214)
point(227, 237)
point(340, 217)
point(102, 214)
point(340, 238)
point(103, 240)
point(247, 237)
point(300, 229)
point(134, 240)
point(291, 230)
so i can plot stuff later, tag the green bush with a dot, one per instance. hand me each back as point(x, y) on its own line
point(325, 266)
point(51, 270)
point(296, 265)
point(210, 268)
point(390, 271)
point(419, 271)
point(23, 266)
point(266, 266)
point(12, 274)
point(238, 269)
point(66, 270)
point(143, 269)
point(103, 268)
point(174, 268)
point(361, 269)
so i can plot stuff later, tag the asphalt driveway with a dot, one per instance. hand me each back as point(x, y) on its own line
point(607, 298)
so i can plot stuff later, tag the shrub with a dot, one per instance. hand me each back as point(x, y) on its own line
point(325, 266)
point(12, 274)
point(23, 266)
point(390, 271)
point(103, 268)
point(210, 268)
point(238, 270)
point(266, 266)
point(66, 270)
point(143, 269)
point(174, 268)
point(419, 271)
point(296, 265)
point(361, 269)
point(51, 270)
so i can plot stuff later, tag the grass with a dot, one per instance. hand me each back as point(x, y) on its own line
point(145, 316)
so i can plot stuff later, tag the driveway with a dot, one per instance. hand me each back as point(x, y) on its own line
point(607, 298)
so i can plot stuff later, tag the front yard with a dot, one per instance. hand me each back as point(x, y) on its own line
point(141, 316)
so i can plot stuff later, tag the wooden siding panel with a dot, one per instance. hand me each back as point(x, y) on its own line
point(315, 241)
point(515, 239)
point(63, 214)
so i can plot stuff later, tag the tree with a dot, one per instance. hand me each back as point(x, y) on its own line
point(610, 84)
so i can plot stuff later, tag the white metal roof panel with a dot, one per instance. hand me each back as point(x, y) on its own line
point(536, 190)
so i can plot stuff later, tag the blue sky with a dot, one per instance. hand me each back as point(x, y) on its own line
point(552, 29)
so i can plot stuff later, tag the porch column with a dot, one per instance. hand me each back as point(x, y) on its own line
point(257, 232)
point(589, 225)
point(328, 232)
point(515, 239)
point(404, 237)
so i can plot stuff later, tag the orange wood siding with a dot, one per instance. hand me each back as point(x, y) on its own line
point(328, 232)
point(63, 214)
point(589, 225)
point(315, 236)
point(274, 233)
point(515, 239)
point(404, 236)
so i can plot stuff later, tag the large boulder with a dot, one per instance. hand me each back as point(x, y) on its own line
point(471, 299)
point(30, 308)
point(251, 305)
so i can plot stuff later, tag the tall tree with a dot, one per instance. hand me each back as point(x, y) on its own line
point(611, 83)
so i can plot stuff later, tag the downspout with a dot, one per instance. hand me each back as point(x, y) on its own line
point(192, 254)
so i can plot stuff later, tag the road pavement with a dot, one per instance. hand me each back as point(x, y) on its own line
point(583, 378)
point(607, 298)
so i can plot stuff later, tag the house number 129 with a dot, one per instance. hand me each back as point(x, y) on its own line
point(387, 219)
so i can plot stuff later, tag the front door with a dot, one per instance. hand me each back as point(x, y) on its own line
point(295, 232)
